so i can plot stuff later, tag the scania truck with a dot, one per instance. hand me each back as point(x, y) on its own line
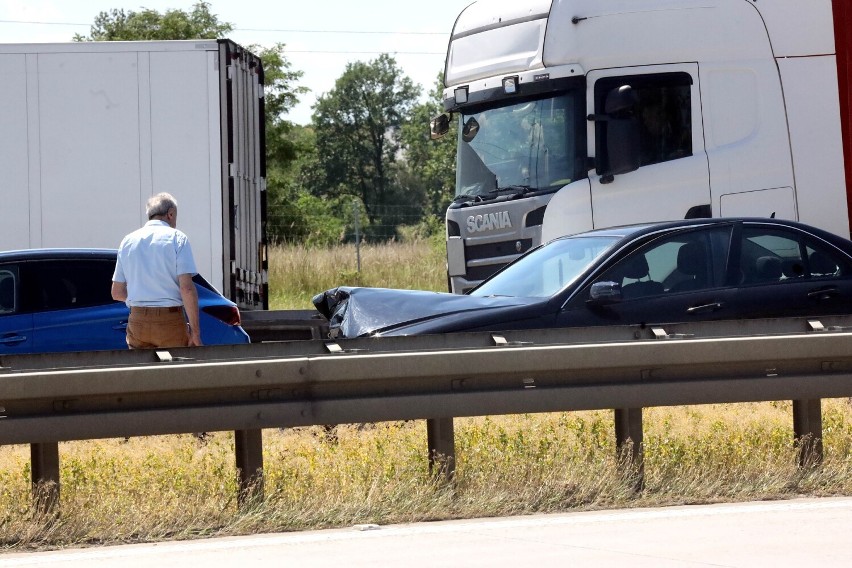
point(581, 114)
point(91, 130)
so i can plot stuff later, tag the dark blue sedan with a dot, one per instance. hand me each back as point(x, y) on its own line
point(680, 271)
point(59, 300)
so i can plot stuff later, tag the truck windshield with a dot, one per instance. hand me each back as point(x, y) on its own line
point(528, 146)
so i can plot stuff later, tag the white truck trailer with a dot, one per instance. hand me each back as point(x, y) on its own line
point(580, 114)
point(91, 130)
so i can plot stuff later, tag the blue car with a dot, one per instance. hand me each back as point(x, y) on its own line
point(55, 300)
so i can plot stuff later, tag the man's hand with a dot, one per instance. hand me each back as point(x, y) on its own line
point(194, 337)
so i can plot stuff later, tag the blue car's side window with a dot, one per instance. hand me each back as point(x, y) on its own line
point(70, 284)
point(8, 291)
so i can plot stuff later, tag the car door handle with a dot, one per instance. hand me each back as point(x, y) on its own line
point(711, 307)
point(824, 293)
point(12, 339)
point(122, 326)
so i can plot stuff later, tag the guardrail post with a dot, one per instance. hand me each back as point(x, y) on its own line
point(248, 446)
point(807, 427)
point(628, 445)
point(440, 436)
point(44, 459)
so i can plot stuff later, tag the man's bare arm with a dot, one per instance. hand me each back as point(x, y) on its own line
point(119, 291)
point(190, 303)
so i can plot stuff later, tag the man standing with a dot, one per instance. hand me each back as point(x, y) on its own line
point(153, 276)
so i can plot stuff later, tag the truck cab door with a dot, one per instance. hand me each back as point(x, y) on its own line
point(645, 133)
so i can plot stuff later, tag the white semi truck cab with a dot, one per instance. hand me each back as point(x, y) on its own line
point(581, 114)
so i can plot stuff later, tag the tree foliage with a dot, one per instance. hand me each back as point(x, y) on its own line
point(281, 93)
point(147, 24)
point(358, 133)
point(295, 214)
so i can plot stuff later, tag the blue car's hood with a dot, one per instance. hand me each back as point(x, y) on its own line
point(353, 312)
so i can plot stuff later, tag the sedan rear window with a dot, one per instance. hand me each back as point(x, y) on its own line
point(773, 255)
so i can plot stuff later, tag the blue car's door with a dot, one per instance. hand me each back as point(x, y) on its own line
point(90, 328)
point(16, 334)
point(75, 310)
point(16, 324)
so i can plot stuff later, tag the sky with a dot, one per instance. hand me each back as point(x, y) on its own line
point(320, 38)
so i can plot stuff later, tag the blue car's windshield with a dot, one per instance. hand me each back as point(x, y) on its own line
point(546, 270)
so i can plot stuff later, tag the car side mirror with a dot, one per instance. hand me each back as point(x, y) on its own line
point(605, 292)
point(439, 126)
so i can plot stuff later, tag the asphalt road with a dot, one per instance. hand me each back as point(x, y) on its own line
point(801, 532)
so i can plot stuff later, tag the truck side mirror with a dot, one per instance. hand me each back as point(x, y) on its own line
point(622, 145)
point(618, 134)
point(439, 126)
point(621, 102)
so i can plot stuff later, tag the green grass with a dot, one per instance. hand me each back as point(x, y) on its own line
point(173, 487)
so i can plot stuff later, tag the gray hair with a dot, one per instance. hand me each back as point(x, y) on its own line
point(159, 205)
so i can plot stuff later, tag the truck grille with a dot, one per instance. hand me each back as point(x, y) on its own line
point(495, 250)
point(476, 273)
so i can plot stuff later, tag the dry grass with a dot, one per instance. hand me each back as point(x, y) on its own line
point(172, 487)
point(297, 273)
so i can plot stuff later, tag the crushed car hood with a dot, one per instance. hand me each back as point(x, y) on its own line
point(354, 312)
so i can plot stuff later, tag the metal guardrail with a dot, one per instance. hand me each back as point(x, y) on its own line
point(52, 398)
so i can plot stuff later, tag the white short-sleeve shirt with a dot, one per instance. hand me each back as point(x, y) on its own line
point(149, 262)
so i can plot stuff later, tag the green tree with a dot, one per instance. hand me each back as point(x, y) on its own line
point(121, 25)
point(358, 134)
point(281, 93)
point(295, 214)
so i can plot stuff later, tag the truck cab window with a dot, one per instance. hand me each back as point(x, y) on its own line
point(663, 110)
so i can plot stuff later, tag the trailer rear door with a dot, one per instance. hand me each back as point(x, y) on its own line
point(243, 177)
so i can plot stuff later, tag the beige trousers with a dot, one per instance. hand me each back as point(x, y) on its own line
point(149, 328)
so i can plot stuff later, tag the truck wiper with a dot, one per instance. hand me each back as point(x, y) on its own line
point(513, 190)
point(465, 198)
point(517, 190)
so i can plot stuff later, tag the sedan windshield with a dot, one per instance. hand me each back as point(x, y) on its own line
point(548, 269)
point(532, 145)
